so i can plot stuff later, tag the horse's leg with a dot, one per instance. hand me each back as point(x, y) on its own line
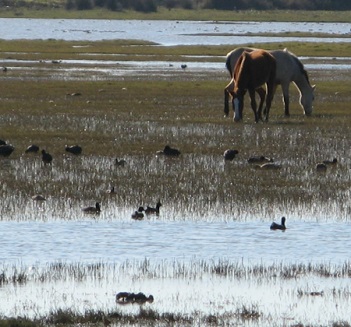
point(285, 89)
point(274, 90)
point(228, 91)
point(253, 103)
point(269, 98)
point(241, 107)
point(262, 94)
point(236, 107)
point(226, 102)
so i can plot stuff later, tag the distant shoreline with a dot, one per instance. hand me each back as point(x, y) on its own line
point(181, 14)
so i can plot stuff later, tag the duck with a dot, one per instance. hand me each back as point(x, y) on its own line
point(74, 149)
point(330, 162)
point(138, 215)
point(128, 297)
point(120, 163)
point(259, 159)
point(142, 298)
point(168, 151)
point(6, 150)
point(183, 66)
point(38, 197)
point(230, 154)
point(156, 211)
point(321, 167)
point(275, 226)
point(93, 210)
point(46, 157)
point(32, 149)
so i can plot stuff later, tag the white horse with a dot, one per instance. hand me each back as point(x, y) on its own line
point(288, 69)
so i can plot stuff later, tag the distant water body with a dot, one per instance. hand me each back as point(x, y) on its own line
point(169, 32)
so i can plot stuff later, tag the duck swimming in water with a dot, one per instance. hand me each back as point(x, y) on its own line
point(275, 226)
point(138, 215)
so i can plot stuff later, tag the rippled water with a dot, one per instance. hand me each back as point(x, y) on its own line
point(113, 241)
point(167, 32)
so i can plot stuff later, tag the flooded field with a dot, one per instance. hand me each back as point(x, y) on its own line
point(209, 258)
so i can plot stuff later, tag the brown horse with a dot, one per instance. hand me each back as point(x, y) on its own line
point(253, 70)
point(288, 69)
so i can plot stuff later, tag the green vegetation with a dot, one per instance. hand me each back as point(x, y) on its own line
point(135, 115)
point(46, 9)
point(121, 50)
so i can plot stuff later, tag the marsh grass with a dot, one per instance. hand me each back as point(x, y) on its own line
point(119, 50)
point(132, 117)
point(238, 303)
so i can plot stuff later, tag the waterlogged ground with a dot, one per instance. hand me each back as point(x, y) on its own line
point(210, 254)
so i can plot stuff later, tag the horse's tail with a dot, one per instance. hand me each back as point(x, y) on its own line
point(229, 64)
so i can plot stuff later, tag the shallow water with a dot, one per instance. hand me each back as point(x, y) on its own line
point(167, 32)
point(115, 241)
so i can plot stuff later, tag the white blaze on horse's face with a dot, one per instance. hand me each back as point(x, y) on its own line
point(236, 109)
point(306, 100)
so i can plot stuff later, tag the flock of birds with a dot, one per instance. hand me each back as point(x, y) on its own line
point(260, 162)
point(6, 150)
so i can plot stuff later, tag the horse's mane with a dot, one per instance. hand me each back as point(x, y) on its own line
point(300, 64)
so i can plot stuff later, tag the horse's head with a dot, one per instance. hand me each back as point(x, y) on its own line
point(306, 100)
point(238, 104)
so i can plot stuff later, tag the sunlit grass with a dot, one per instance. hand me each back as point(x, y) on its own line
point(133, 117)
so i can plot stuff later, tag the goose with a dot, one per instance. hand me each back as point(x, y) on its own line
point(32, 149)
point(260, 159)
point(330, 162)
point(74, 149)
point(150, 210)
point(38, 197)
point(6, 150)
point(120, 163)
point(275, 226)
point(138, 215)
point(93, 210)
point(321, 167)
point(230, 154)
point(168, 151)
point(46, 157)
point(127, 297)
